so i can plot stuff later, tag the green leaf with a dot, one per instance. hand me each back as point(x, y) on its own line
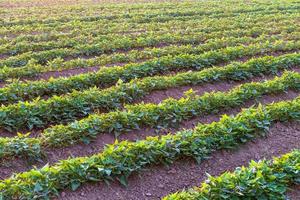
point(123, 180)
point(75, 185)
point(37, 187)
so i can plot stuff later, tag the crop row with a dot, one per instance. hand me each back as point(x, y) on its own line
point(96, 29)
point(183, 9)
point(83, 40)
point(260, 180)
point(119, 160)
point(32, 69)
point(168, 113)
point(139, 13)
point(39, 113)
point(142, 19)
point(126, 43)
point(107, 76)
point(186, 14)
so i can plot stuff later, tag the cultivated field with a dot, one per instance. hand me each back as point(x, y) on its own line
point(133, 100)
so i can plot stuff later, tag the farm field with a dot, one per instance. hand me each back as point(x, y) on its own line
point(171, 100)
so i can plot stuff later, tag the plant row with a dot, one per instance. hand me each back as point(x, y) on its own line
point(145, 12)
point(168, 113)
point(116, 39)
point(140, 18)
point(40, 113)
point(119, 160)
point(96, 29)
point(160, 16)
point(33, 69)
point(126, 43)
point(260, 180)
point(109, 76)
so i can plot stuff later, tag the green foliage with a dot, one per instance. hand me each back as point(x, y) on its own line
point(79, 104)
point(33, 68)
point(108, 76)
point(119, 160)
point(162, 45)
point(260, 180)
point(46, 52)
point(168, 113)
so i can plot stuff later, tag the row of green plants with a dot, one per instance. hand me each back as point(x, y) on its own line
point(119, 160)
point(161, 15)
point(109, 76)
point(33, 69)
point(149, 9)
point(40, 113)
point(126, 43)
point(168, 113)
point(287, 10)
point(127, 27)
point(83, 40)
point(260, 180)
point(108, 26)
point(94, 29)
point(137, 18)
point(182, 10)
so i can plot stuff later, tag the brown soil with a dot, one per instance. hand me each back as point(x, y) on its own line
point(2, 84)
point(158, 181)
point(65, 73)
point(3, 56)
point(294, 192)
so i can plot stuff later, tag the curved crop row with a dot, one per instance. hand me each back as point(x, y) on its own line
point(40, 113)
point(145, 13)
point(121, 159)
point(116, 40)
point(110, 76)
point(168, 113)
point(94, 29)
point(33, 69)
point(125, 43)
point(260, 180)
point(186, 14)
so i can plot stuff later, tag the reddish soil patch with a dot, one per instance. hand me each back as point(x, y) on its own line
point(2, 84)
point(3, 56)
point(294, 193)
point(65, 73)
